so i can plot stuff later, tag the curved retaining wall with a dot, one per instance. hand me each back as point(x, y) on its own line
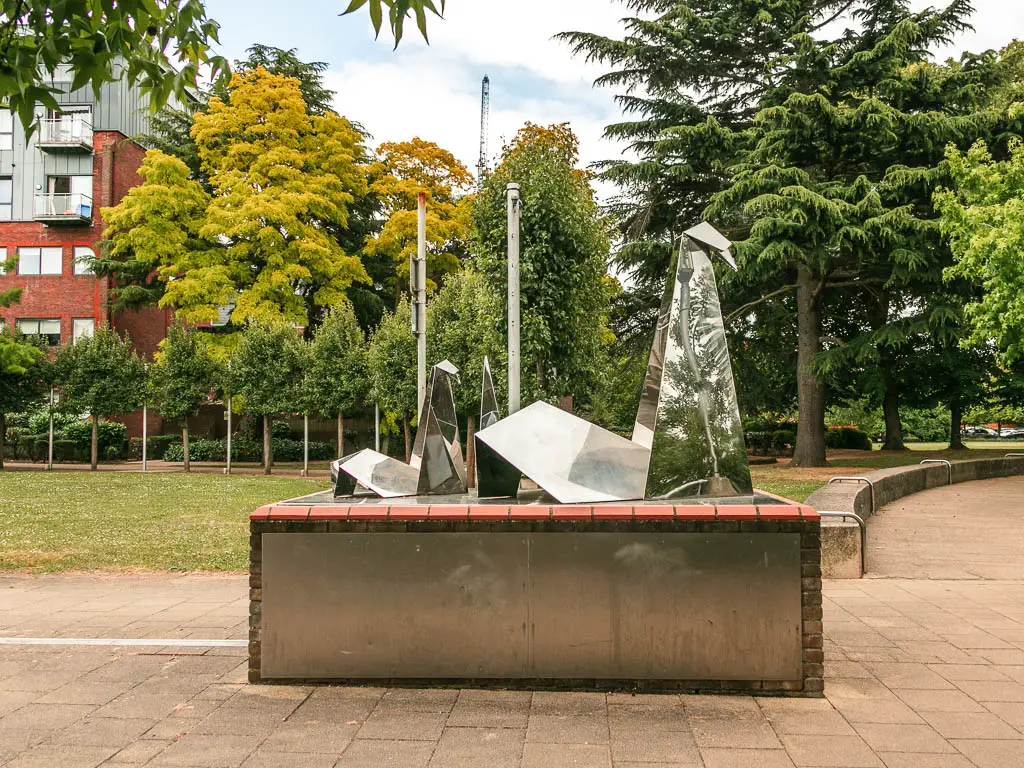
point(840, 540)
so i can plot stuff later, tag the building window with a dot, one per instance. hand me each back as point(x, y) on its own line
point(39, 261)
point(6, 129)
point(48, 329)
point(83, 260)
point(82, 327)
point(6, 198)
point(3, 261)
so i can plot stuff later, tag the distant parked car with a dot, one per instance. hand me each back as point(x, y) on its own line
point(978, 432)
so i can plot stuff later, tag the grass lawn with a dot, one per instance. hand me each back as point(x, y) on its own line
point(126, 521)
point(59, 521)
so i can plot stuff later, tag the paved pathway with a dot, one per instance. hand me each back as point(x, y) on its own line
point(920, 673)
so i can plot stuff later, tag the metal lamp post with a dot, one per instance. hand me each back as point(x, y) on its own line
point(514, 208)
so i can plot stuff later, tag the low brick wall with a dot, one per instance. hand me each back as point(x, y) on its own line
point(704, 522)
point(841, 555)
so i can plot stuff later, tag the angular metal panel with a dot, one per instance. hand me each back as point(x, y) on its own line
point(489, 411)
point(670, 606)
point(572, 459)
point(696, 438)
point(675, 606)
point(394, 605)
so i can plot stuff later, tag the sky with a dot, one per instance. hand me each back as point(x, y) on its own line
point(433, 92)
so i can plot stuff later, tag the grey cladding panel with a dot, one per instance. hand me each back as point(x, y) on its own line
point(556, 605)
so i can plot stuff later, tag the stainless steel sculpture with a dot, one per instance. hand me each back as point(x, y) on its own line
point(495, 477)
point(687, 439)
point(689, 416)
point(436, 466)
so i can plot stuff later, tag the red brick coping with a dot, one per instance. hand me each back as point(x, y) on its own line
point(531, 512)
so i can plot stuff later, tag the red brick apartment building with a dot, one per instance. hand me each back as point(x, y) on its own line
point(52, 187)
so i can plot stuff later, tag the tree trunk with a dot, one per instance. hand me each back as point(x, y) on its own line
point(470, 451)
point(810, 435)
point(408, 440)
point(956, 418)
point(891, 411)
point(341, 435)
point(268, 448)
point(184, 445)
point(94, 450)
point(3, 430)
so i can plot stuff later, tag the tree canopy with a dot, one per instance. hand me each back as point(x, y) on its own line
point(160, 46)
point(564, 246)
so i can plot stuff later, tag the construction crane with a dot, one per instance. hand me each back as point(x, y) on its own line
point(485, 119)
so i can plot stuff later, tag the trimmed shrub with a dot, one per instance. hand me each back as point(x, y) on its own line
point(246, 449)
point(848, 438)
point(156, 446)
point(109, 434)
point(758, 441)
point(281, 430)
point(783, 439)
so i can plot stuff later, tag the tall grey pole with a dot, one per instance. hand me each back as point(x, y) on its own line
point(514, 365)
point(376, 427)
point(145, 436)
point(227, 465)
point(145, 426)
point(49, 450)
point(305, 445)
point(419, 305)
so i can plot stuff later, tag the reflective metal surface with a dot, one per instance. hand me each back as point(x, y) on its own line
point(572, 459)
point(689, 415)
point(489, 411)
point(385, 476)
point(671, 606)
point(394, 605)
point(687, 439)
point(436, 466)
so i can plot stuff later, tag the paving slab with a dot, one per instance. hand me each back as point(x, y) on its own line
point(920, 672)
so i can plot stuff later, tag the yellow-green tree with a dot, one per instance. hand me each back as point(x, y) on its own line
point(403, 171)
point(266, 240)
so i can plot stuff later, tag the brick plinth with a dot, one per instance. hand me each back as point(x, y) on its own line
point(304, 517)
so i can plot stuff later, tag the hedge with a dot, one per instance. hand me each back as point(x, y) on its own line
point(156, 446)
point(245, 449)
point(848, 438)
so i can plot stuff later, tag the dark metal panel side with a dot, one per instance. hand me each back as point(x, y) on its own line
point(687, 606)
point(394, 605)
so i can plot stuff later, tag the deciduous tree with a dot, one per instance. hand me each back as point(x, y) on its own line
point(182, 378)
point(160, 46)
point(100, 375)
point(563, 259)
point(392, 366)
point(404, 170)
point(337, 377)
point(267, 373)
point(21, 380)
point(463, 321)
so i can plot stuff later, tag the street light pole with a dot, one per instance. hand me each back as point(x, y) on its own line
point(418, 278)
point(49, 451)
point(145, 425)
point(514, 364)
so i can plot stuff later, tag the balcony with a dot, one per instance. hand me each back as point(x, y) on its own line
point(68, 133)
point(62, 208)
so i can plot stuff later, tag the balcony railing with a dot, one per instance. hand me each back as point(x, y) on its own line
point(70, 132)
point(71, 207)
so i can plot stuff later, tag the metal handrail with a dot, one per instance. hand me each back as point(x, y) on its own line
point(949, 466)
point(66, 129)
point(857, 479)
point(1014, 455)
point(59, 204)
point(863, 535)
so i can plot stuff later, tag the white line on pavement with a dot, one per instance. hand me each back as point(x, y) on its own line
point(180, 642)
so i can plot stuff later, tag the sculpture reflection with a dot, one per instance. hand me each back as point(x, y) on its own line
point(687, 439)
point(436, 465)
